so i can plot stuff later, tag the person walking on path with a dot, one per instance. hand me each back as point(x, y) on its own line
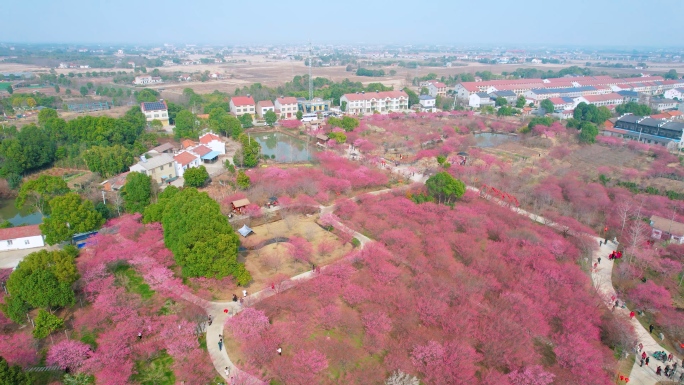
point(641, 363)
point(631, 314)
point(226, 371)
point(643, 355)
point(669, 357)
point(647, 359)
point(658, 371)
point(599, 260)
point(210, 320)
point(235, 298)
point(220, 344)
point(650, 329)
point(139, 336)
point(244, 293)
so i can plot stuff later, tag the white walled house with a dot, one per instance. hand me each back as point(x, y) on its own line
point(263, 107)
point(480, 99)
point(367, 103)
point(156, 110)
point(286, 108)
point(22, 237)
point(606, 100)
point(428, 103)
point(666, 229)
point(146, 79)
point(214, 142)
point(186, 160)
point(675, 93)
point(240, 105)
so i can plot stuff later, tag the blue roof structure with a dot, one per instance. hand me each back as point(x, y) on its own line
point(211, 155)
point(633, 94)
point(425, 97)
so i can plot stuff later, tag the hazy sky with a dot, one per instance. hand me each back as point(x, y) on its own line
point(625, 23)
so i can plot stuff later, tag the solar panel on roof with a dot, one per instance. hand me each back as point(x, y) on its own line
point(152, 106)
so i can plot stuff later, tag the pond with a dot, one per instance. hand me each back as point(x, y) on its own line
point(490, 139)
point(285, 148)
point(9, 212)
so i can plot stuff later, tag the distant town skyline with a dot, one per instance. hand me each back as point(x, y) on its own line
point(604, 23)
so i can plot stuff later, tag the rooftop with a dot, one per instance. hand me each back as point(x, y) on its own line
point(155, 161)
point(287, 100)
point(184, 158)
point(187, 143)
point(210, 155)
point(602, 97)
point(239, 101)
point(265, 103)
point(153, 106)
point(163, 147)
point(377, 95)
point(208, 137)
point(240, 202)
point(426, 97)
point(664, 224)
point(19, 232)
point(201, 150)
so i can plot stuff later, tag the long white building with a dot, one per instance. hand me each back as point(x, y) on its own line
point(368, 103)
point(22, 237)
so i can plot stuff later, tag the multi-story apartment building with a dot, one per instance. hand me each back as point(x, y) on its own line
point(436, 88)
point(367, 103)
point(603, 100)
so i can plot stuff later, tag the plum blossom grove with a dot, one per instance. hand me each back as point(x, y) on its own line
point(457, 296)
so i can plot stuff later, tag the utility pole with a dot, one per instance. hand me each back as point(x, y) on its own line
point(310, 78)
point(104, 200)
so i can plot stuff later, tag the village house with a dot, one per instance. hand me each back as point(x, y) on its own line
point(187, 143)
point(161, 167)
point(427, 103)
point(21, 237)
point(114, 183)
point(184, 161)
point(264, 106)
point(286, 107)
point(510, 96)
point(146, 79)
point(155, 111)
point(436, 88)
point(367, 103)
point(665, 229)
point(214, 142)
point(675, 93)
point(240, 105)
point(480, 99)
point(661, 104)
point(163, 148)
point(206, 154)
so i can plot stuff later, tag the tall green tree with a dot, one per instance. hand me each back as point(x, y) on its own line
point(201, 239)
point(248, 154)
point(137, 192)
point(42, 280)
point(46, 114)
point(671, 75)
point(10, 90)
point(70, 215)
point(13, 375)
point(83, 91)
point(520, 102)
point(547, 105)
point(444, 187)
point(195, 176)
point(46, 323)
point(247, 121)
point(299, 115)
point(108, 161)
point(348, 123)
point(243, 180)
point(500, 101)
point(588, 132)
point(185, 125)
point(413, 97)
point(38, 192)
point(270, 117)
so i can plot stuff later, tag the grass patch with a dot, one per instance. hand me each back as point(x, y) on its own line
point(625, 365)
point(127, 277)
point(156, 371)
point(89, 337)
point(202, 339)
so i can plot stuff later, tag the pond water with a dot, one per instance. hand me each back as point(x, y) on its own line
point(490, 139)
point(8, 212)
point(285, 148)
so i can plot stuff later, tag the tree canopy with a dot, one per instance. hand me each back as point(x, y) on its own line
point(40, 191)
point(137, 192)
point(195, 176)
point(590, 113)
point(247, 121)
point(270, 117)
point(42, 280)
point(633, 108)
point(185, 125)
point(71, 215)
point(201, 239)
point(588, 132)
point(248, 155)
point(444, 187)
point(13, 375)
point(547, 105)
point(108, 161)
